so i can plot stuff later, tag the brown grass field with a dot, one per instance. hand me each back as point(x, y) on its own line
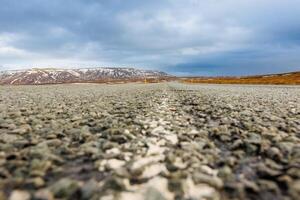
point(292, 78)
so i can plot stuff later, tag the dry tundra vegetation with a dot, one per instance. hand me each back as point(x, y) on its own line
point(158, 141)
point(278, 79)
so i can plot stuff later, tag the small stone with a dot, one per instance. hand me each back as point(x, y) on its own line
point(76, 118)
point(237, 144)
point(251, 148)
point(274, 153)
point(121, 139)
point(294, 172)
point(294, 190)
point(88, 189)
point(15, 114)
point(158, 187)
point(199, 191)
point(116, 183)
point(246, 113)
point(254, 138)
point(85, 132)
point(115, 151)
point(64, 188)
point(250, 185)
point(114, 163)
point(154, 194)
point(19, 195)
point(264, 171)
point(158, 130)
point(43, 194)
point(23, 109)
point(2, 196)
point(9, 138)
point(38, 182)
point(153, 170)
point(210, 180)
point(225, 172)
point(269, 186)
point(142, 162)
point(154, 149)
point(19, 131)
point(171, 138)
point(179, 164)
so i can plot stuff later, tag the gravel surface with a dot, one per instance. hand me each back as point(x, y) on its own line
point(149, 141)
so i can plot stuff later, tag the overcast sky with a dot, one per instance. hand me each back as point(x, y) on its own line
point(182, 37)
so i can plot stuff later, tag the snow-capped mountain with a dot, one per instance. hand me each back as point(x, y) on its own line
point(52, 75)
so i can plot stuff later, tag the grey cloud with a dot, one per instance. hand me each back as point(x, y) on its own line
point(177, 36)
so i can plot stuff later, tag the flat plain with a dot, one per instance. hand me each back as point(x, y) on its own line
point(149, 141)
point(292, 78)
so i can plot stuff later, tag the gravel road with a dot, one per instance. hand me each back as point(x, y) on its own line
point(149, 141)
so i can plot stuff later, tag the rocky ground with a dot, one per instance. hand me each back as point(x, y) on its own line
point(149, 141)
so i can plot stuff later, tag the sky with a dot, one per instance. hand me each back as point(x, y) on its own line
point(181, 37)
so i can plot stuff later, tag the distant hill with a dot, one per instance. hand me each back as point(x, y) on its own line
point(291, 78)
point(37, 76)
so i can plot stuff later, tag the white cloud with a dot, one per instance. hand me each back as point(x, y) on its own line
point(8, 50)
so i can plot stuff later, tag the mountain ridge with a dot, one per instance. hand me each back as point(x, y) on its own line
point(37, 76)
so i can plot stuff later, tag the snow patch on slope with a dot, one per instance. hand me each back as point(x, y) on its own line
point(52, 75)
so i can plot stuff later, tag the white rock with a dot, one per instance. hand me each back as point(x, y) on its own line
point(8, 138)
point(113, 151)
point(171, 138)
point(160, 130)
point(114, 163)
point(194, 132)
point(131, 196)
point(19, 195)
point(161, 185)
point(153, 170)
point(143, 192)
point(108, 197)
point(146, 161)
point(153, 124)
point(101, 165)
point(161, 142)
point(200, 191)
point(154, 149)
point(208, 170)
point(179, 163)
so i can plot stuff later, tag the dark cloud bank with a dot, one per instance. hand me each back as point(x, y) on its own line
point(191, 37)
